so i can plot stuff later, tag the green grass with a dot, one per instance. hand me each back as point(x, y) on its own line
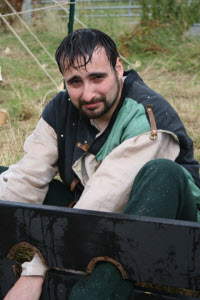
point(154, 41)
point(26, 89)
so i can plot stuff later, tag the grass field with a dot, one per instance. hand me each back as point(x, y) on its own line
point(26, 89)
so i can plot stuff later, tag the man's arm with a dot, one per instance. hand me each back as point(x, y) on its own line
point(29, 286)
point(26, 288)
point(27, 181)
point(108, 189)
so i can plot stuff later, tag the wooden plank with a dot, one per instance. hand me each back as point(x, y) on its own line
point(58, 285)
point(152, 250)
point(140, 294)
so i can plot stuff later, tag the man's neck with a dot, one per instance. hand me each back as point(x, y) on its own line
point(101, 124)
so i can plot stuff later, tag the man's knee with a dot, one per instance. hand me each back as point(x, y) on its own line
point(163, 167)
point(161, 189)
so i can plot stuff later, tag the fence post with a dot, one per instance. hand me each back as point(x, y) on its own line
point(130, 3)
point(27, 6)
point(71, 17)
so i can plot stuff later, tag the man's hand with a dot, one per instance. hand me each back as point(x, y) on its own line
point(26, 288)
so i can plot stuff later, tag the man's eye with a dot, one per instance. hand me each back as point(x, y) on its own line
point(75, 82)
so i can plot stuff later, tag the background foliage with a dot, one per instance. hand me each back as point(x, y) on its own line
point(165, 57)
point(179, 13)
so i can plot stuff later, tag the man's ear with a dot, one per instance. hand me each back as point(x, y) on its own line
point(119, 68)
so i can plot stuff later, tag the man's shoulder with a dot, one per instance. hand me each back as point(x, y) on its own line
point(140, 92)
point(165, 115)
point(58, 109)
point(58, 99)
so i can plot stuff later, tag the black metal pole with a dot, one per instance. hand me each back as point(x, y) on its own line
point(71, 17)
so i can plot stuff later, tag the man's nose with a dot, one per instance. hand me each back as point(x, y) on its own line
point(88, 93)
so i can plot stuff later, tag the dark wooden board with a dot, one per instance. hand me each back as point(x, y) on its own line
point(148, 294)
point(58, 285)
point(151, 250)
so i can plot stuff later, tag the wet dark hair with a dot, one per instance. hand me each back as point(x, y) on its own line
point(78, 47)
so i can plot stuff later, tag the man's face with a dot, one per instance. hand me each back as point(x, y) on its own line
point(95, 91)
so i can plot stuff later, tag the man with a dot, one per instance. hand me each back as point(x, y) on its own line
point(118, 145)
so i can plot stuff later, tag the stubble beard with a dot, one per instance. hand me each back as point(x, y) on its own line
point(95, 113)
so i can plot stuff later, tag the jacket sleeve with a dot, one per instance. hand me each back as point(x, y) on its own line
point(27, 181)
point(108, 189)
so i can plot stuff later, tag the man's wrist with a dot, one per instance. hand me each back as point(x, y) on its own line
point(37, 279)
point(34, 268)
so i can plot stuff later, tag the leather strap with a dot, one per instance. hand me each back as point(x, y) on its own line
point(73, 184)
point(153, 135)
point(97, 165)
point(72, 204)
point(84, 147)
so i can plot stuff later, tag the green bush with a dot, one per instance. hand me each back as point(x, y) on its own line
point(180, 13)
point(149, 37)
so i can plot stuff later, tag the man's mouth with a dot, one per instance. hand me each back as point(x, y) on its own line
point(92, 105)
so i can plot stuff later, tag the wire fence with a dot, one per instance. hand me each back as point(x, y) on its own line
point(100, 8)
point(129, 10)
